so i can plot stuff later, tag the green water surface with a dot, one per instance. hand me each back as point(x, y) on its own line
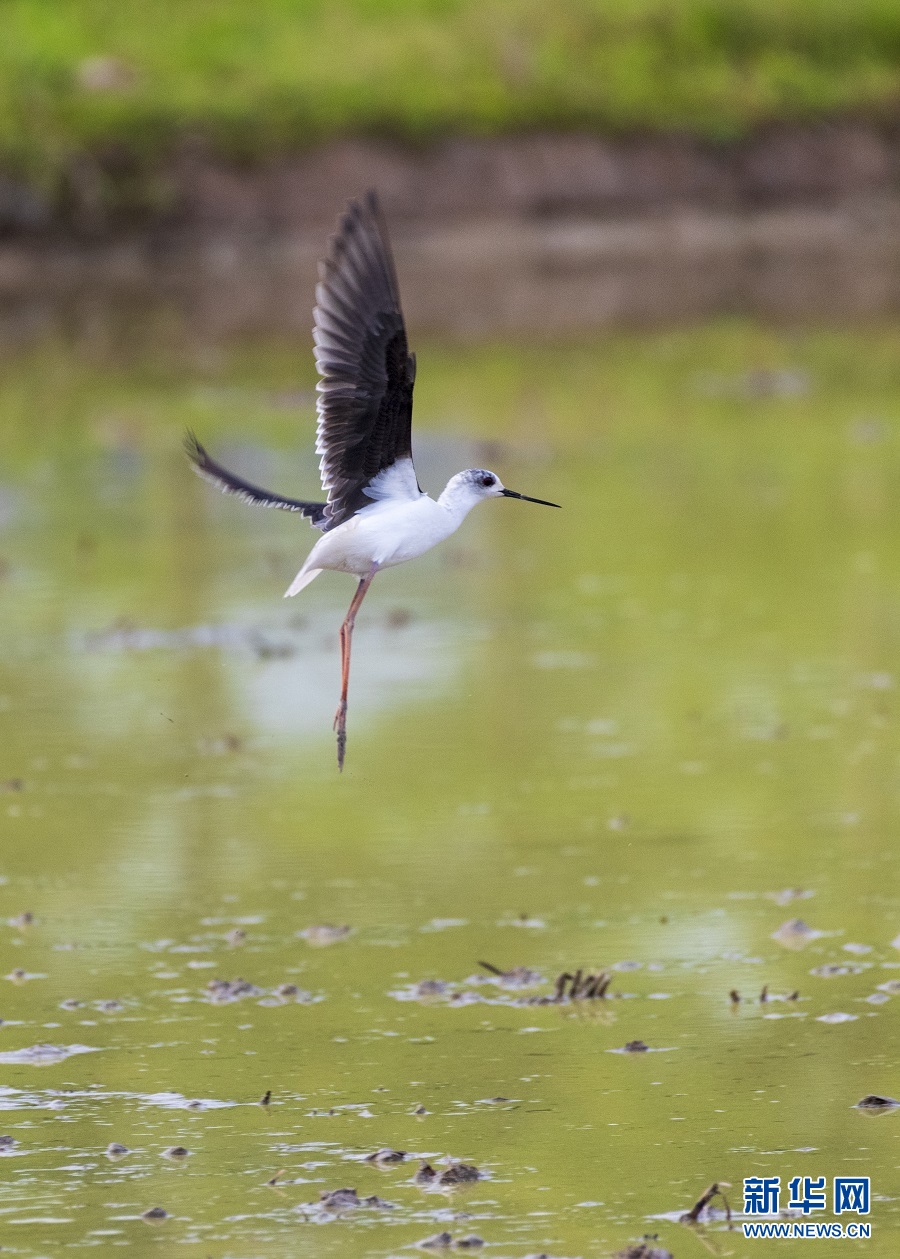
point(638, 735)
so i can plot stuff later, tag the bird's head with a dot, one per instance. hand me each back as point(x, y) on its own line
point(480, 483)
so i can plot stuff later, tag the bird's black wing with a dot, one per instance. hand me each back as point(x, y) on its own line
point(228, 483)
point(365, 394)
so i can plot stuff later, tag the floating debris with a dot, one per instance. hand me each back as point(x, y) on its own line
point(470, 1243)
point(517, 977)
point(576, 986)
point(440, 1241)
point(568, 987)
point(458, 1174)
point(702, 1203)
point(177, 1101)
point(640, 1250)
point(413, 992)
point(796, 934)
point(765, 996)
point(226, 991)
point(323, 934)
point(154, 1214)
point(290, 992)
point(430, 988)
point(115, 1150)
point(439, 990)
point(876, 1104)
point(223, 991)
point(339, 1199)
point(349, 1200)
point(386, 1157)
point(581, 987)
point(176, 1152)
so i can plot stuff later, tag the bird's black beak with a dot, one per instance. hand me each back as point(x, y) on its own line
point(525, 499)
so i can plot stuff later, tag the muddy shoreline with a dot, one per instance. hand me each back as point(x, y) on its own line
point(540, 234)
point(515, 177)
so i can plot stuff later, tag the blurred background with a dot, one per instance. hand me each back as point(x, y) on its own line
point(649, 258)
point(542, 170)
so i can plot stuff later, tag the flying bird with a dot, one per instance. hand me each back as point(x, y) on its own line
point(375, 515)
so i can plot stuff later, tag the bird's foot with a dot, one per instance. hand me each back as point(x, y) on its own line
point(340, 726)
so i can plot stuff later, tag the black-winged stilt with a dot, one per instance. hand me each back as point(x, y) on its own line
point(376, 516)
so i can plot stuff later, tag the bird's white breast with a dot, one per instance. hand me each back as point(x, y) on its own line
point(389, 532)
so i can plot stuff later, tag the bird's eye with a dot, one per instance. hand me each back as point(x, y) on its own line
point(487, 480)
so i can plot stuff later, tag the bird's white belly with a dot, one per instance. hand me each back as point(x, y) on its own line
point(383, 535)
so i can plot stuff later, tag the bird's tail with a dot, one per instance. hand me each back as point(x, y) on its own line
point(303, 578)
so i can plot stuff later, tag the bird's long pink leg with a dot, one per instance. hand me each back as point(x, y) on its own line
point(340, 717)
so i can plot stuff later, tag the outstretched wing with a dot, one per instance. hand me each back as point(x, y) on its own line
point(365, 394)
point(228, 483)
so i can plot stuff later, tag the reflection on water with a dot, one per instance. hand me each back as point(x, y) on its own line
point(280, 673)
point(498, 277)
point(640, 739)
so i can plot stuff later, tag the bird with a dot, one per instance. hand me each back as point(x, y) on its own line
point(375, 515)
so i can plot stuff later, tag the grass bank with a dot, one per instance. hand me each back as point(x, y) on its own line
point(107, 77)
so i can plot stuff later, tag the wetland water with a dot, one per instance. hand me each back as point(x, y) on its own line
point(637, 735)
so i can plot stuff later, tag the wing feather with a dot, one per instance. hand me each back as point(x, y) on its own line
point(367, 373)
point(206, 467)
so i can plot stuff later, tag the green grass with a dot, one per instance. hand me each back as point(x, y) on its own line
point(257, 78)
